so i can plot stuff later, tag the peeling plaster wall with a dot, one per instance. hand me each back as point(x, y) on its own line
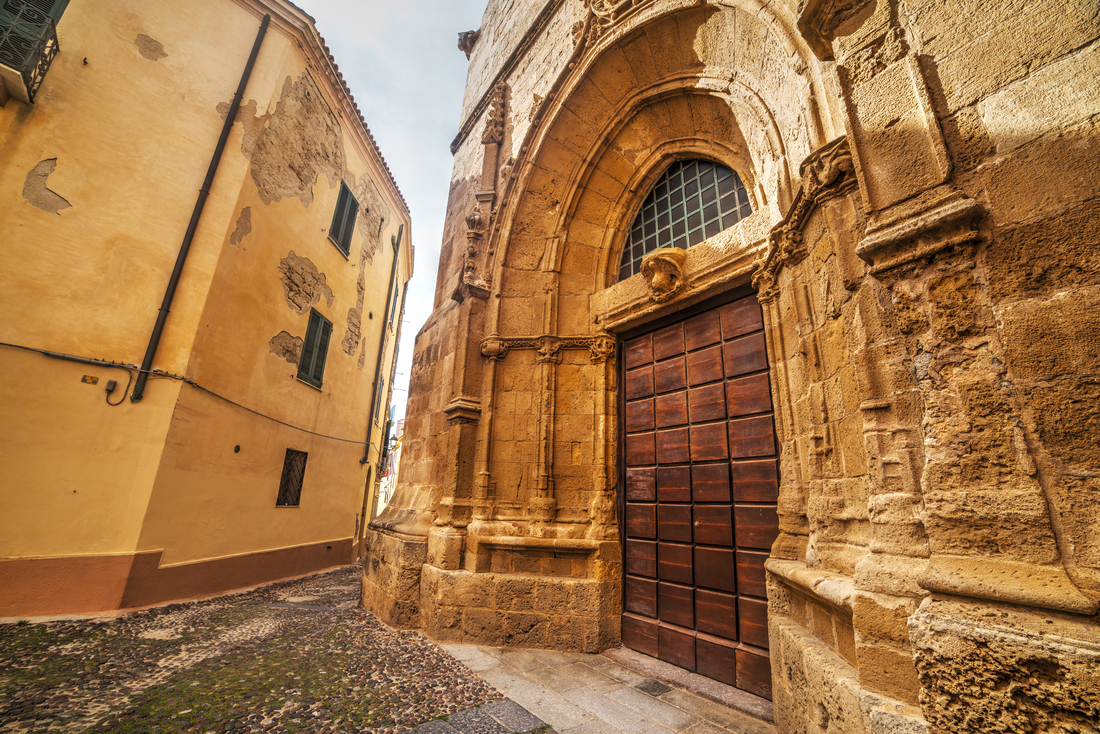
point(183, 476)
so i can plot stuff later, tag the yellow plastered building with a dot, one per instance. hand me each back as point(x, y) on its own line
point(240, 444)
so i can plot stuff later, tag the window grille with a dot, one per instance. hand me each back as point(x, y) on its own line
point(343, 219)
point(692, 201)
point(28, 43)
point(311, 365)
point(290, 485)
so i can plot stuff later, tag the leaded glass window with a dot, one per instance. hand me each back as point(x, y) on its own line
point(692, 201)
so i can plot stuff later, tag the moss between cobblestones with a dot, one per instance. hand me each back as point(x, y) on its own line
point(232, 664)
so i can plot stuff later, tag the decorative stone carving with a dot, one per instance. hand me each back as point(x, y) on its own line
point(472, 284)
point(494, 348)
point(549, 349)
point(826, 173)
point(463, 410)
point(663, 271)
point(467, 41)
point(602, 348)
point(818, 21)
point(601, 17)
point(494, 123)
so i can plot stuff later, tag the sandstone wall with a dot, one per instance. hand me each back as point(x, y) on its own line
point(923, 244)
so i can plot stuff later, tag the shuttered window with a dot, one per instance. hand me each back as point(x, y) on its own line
point(311, 366)
point(343, 220)
point(290, 484)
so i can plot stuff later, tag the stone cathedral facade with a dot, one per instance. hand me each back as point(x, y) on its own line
point(766, 342)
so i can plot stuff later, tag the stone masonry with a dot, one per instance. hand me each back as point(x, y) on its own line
point(924, 181)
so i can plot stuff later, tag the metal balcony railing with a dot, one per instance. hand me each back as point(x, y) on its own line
point(28, 45)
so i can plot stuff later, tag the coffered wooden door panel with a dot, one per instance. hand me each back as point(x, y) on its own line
point(700, 484)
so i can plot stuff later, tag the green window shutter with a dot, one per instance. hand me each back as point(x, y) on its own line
point(343, 219)
point(311, 365)
point(322, 351)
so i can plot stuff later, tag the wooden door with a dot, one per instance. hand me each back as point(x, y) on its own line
point(699, 494)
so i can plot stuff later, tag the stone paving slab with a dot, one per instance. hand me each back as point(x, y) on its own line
point(595, 694)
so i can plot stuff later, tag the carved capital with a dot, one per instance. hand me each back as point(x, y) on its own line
point(494, 348)
point(602, 348)
point(664, 272)
point(549, 349)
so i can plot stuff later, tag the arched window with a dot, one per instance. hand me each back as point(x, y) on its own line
point(692, 201)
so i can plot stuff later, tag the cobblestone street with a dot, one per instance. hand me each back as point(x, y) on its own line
point(291, 657)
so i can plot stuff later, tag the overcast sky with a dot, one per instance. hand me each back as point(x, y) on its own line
point(401, 60)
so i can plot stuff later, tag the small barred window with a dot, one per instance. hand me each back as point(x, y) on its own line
point(692, 201)
point(290, 484)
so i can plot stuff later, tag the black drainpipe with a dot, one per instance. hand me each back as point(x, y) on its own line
point(382, 345)
point(169, 294)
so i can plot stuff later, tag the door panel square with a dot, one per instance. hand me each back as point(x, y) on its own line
point(716, 613)
point(713, 525)
point(668, 341)
point(704, 366)
point(710, 482)
point(750, 573)
point(674, 523)
point(747, 395)
point(702, 330)
point(676, 605)
point(676, 647)
point(672, 409)
point(640, 596)
point(640, 485)
point(672, 446)
point(741, 317)
point(674, 483)
point(670, 375)
point(639, 383)
point(707, 403)
point(640, 558)
point(755, 526)
point(745, 355)
point(754, 673)
point(638, 351)
point(753, 624)
point(752, 437)
point(755, 481)
point(708, 442)
point(641, 521)
point(640, 449)
point(639, 415)
point(674, 563)
point(716, 661)
point(640, 634)
point(715, 569)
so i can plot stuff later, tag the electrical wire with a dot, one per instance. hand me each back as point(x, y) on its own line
point(128, 383)
point(171, 376)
